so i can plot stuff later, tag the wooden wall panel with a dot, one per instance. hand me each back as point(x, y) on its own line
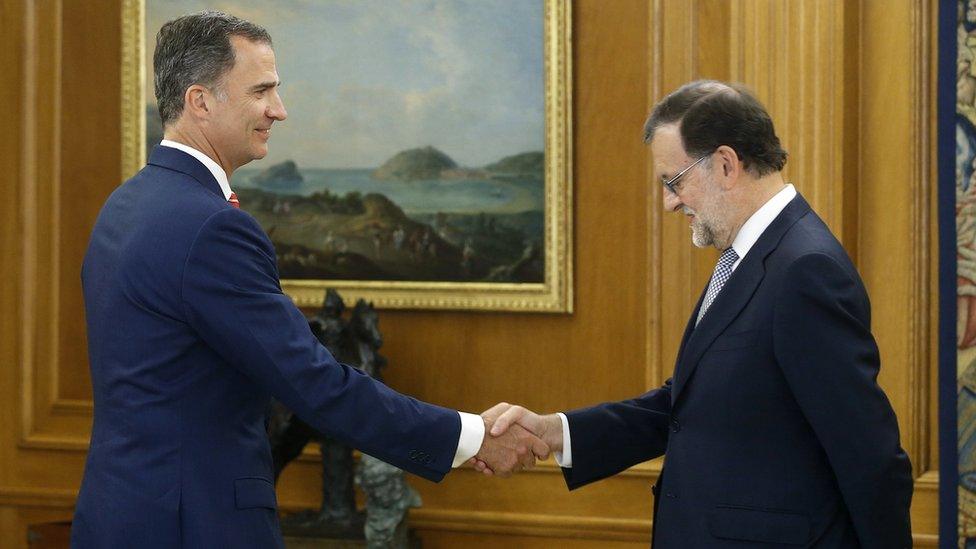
point(896, 206)
point(849, 85)
point(14, 48)
point(678, 53)
point(793, 55)
point(87, 171)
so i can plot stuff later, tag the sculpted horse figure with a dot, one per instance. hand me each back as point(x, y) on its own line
point(358, 346)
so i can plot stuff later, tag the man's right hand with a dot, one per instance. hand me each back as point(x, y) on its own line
point(509, 452)
point(549, 427)
point(504, 419)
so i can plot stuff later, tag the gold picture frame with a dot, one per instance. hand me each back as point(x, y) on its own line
point(553, 295)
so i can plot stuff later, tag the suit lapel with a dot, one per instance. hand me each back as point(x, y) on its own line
point(175, 159)
point(736, 293)
point(689, 330)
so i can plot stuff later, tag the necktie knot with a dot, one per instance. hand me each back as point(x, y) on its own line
point(728, 257)
point(234, 201)
point(723, 270)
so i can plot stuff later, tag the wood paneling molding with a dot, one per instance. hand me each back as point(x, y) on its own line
point(554, 526)
point(37, 497)
point(41, 286)
point(896, 209)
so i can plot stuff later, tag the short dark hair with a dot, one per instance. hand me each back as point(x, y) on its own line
point(711, 114)
point(196, 49)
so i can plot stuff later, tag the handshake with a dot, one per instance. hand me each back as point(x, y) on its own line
point(514, 438)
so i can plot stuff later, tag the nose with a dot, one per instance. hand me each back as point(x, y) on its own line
point(669, 200)
point(276, 109)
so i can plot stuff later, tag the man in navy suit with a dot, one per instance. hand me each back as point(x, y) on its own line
point(190, 335)
point(774, 429)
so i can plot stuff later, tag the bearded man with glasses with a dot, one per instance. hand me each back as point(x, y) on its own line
point(775, 431)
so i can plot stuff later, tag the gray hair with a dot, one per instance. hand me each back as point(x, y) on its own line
point(710, 114)
point(196, 49)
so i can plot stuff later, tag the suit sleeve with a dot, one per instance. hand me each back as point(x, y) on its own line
point(611, 437)
point(823, 343)
point(232, 298)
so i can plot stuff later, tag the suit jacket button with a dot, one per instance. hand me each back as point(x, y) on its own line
point(670, 495)
point(675, 426)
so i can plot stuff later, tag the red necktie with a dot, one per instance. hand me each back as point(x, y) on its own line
point(234, 201)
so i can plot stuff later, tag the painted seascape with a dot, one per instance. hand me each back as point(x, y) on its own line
point(414, 146)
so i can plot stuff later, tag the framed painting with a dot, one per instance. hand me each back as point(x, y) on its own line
point(426, 159)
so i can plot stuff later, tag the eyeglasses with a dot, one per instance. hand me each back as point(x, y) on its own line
point(672, 184)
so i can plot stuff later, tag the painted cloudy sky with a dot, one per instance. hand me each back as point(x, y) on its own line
point(365, 79)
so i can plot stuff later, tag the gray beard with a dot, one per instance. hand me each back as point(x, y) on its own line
point(705, 233)
point(702, 235)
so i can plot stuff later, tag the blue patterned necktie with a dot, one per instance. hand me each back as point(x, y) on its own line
point(723, 270)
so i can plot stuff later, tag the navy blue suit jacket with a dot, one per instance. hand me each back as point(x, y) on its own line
point(189, 336)
point(774, 430)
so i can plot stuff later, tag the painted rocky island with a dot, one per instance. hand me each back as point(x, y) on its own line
point(418, 216)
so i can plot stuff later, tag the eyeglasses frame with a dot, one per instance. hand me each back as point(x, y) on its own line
point(671, 184)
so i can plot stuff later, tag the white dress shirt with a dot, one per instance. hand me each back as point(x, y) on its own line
point(472, 426)
point(750, 232)
point(757, 223)
point(219, 174)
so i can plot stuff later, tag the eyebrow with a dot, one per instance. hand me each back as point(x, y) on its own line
point(265, 85)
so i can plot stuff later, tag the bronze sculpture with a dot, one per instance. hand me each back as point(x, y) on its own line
point(355, 342)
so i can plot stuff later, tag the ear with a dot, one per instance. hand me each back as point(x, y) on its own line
point(727, 167)
point(198, 101)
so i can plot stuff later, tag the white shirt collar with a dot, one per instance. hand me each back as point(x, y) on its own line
point(756, 225)
point(219, 174)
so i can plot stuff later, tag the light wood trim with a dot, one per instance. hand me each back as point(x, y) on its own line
point(77, 407)
point(928, 481)
point(922, 359)
point(653, 340)
point(15, 46)
point(29, 167)
point(55, 442)
point(532, 524)
point(41, 206)
point(931, 427)
point(895, 140)
point(17, 496)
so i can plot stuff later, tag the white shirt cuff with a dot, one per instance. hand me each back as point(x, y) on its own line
point(564, 458)
point(472, 435)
